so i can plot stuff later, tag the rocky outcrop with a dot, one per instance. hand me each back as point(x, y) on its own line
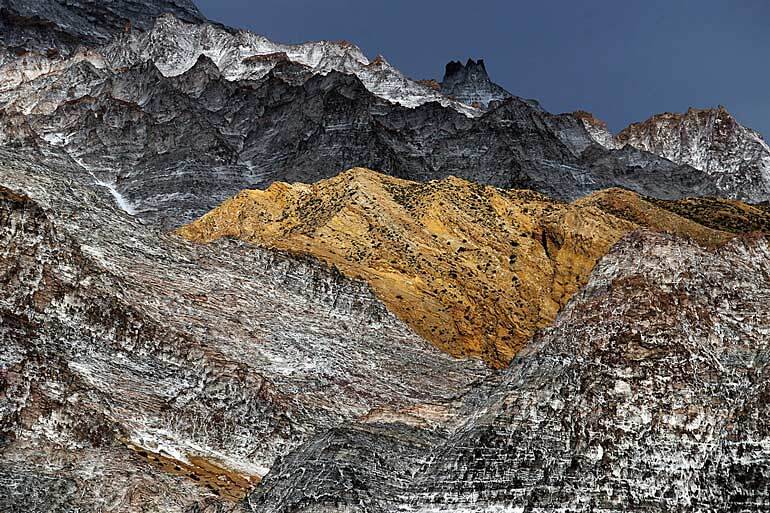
point(471, 84)
point(646, 395)
point(300, 119)
point(736, 158)
point(598, 129)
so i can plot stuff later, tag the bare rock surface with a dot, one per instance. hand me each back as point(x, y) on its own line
point(647, 395)
point(736, 158)
point(470, 84)
point(263, 112)
point(142, 373)
point(127, 348)
point(60, 26)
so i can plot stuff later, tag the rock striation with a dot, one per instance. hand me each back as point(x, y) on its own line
point(142, 372)
point(264, 112)
point(646, 395)
point(157, 374)
point(473, 269)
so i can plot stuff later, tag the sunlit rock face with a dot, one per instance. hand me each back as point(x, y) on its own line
point(142, 373)
point(474, 269)
point(128, 349)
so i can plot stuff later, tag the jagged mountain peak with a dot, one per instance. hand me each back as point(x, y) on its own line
point(597, 129)
point(711, 140)
point(456, 67)
point(470, 84)
point(242, 55)
point(693, 114)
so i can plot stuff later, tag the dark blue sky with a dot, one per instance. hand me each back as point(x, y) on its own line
point(622, 60)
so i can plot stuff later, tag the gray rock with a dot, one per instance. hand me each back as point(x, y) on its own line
point(118, 339)
point(471, 84)
point(646, 395)
point(60, 26)
point(735, 158)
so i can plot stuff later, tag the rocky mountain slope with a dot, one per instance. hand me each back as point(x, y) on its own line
point(736, 158)
point(475, 270)
point(130, 354)
point(615, 408)
point(144, 373)
point(265, 112)
point(59, 26)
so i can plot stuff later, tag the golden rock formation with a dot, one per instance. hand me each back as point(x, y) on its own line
point(474, 269)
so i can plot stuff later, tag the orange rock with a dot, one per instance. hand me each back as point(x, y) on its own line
point(474, 269)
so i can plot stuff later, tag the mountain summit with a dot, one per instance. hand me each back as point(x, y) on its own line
point(63, 25)
point(470, 84)
point(711, 140)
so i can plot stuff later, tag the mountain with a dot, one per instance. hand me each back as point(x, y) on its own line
point(518, 313)
point(263, 117)
point(471, 84)
point(60, 26)
point(735, 158)
point(140, 371)
point(646, 395)
point(475, 270)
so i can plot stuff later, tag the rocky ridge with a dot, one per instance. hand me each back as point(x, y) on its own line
point(142, 373)
point(298, 113)
point(122, 345)
point(475, 270)
point(615, 408)
point(59, 27)
point(736, 158)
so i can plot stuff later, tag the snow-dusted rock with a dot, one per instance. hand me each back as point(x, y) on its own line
point(736, 158)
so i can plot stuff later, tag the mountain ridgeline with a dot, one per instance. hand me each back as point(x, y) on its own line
point(265, 112)
point(241, 276)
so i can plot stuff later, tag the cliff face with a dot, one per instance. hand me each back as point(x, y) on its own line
point(646, 395)
point(143, 373)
